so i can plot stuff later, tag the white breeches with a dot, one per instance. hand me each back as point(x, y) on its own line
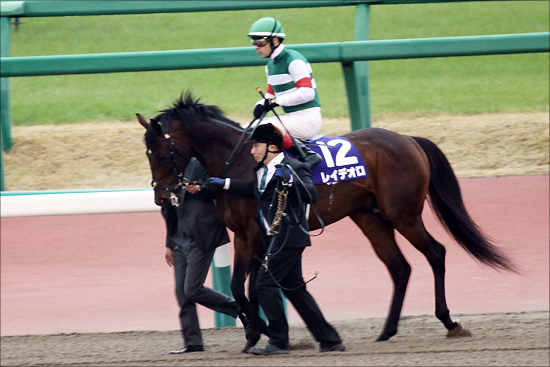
point(303, 124)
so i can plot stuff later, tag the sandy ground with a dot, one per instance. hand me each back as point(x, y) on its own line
point(111, 155)
point(498, 339)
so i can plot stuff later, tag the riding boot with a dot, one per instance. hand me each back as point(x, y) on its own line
point(303, 153)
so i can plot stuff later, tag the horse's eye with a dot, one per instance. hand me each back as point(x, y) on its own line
point(153, 183)
point(159, 157)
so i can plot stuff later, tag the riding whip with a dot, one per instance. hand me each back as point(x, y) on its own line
point(302, 154)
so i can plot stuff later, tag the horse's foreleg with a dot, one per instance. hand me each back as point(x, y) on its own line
point(381, 235)
point(248, 308)
point(257, 325)
point(245, 264)
point(241, 268)
point(237, 287)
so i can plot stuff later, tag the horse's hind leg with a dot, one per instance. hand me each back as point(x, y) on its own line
point(435, 254)
point(381, 235)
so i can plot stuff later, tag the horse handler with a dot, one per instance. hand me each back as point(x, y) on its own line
point(285, 234)
point(193, 232)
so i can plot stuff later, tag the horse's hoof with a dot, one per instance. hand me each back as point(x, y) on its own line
point(386, 336)
point(383, 338)
point(458, 331)
point(248, 345)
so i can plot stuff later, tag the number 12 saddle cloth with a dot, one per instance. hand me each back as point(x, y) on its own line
point(341, 160)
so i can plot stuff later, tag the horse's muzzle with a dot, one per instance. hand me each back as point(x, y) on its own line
point(165, 200)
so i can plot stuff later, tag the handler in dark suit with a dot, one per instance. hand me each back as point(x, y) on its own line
point(193, 232)
point(284, 243)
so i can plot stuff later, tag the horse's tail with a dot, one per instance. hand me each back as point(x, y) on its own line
point(446, 201)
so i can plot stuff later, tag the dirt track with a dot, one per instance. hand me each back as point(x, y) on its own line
point(499, 339)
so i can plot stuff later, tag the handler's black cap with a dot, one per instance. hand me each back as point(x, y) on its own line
point(268, 134)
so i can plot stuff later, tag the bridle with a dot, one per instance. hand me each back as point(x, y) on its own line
point(181, 181)
point(173, 151)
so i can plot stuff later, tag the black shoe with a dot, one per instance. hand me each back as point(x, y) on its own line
point(338, 347)
point(188, 349)
point(268, 350)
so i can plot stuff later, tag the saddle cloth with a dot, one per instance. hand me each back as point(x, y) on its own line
point(341, 160)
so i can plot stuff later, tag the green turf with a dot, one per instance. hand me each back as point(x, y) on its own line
point(456, 84)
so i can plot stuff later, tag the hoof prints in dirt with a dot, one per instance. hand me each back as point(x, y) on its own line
point(498, 339)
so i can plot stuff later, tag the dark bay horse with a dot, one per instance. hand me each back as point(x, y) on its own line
point(404, 172)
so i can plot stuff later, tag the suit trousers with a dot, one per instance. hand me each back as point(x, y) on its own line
point(191, 266)
point(285, 268)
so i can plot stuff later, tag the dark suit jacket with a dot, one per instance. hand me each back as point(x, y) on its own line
point(301, 193)
point(196, 218)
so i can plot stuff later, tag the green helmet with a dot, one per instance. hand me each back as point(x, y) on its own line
point(267, 27)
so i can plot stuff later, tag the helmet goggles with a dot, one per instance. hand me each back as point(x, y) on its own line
point(260, 42)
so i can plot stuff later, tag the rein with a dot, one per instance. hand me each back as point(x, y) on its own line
point(233, 156)
point(282, 194)
point(321, 223)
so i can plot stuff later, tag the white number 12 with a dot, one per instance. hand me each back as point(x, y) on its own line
point(341, 159)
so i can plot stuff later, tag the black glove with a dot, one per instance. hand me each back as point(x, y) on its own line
point(267, 106)
point(258, 110)
point(270, 104)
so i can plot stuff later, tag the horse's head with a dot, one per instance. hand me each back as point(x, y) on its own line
point(188, 129)
point(167, 161)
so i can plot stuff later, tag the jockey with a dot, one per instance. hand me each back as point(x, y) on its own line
point(290, 84)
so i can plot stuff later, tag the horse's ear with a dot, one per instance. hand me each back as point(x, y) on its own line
point(142, 120)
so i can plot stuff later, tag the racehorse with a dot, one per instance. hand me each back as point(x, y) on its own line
point(404, 172)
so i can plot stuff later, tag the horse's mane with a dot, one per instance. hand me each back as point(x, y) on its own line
point(187, 108)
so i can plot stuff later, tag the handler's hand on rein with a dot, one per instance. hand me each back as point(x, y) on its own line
point(192, 189)
point(215, 183)
point(279, 173)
